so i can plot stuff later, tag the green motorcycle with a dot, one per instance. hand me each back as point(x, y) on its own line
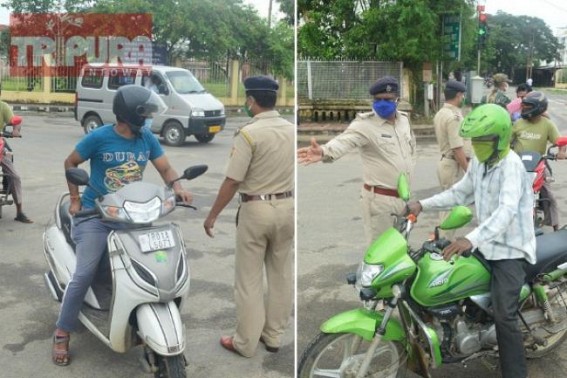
point(435, 311)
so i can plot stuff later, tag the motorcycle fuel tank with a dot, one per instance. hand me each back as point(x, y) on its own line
point(439, 281)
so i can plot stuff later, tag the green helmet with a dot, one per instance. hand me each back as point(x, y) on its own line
point(486, 121)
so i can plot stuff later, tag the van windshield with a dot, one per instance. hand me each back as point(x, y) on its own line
point(184, 82)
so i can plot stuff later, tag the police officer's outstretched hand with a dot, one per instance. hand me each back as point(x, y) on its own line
point(311, 154)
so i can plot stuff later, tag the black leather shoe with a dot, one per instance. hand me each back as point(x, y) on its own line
point(269, 348)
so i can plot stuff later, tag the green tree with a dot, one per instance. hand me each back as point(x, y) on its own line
point(518, 42)
point(287, 7)
point(404, 30)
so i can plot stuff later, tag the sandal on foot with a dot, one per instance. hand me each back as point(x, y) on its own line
point(60, 351)
point(21, 217)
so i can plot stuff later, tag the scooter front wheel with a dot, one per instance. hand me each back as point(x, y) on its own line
point(341, 355)
point(170, 367)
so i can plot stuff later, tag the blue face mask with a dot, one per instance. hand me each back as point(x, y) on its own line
point(148, 123)
point(384, 108)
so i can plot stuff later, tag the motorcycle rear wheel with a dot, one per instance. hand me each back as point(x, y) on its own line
point(558, 302)
point(171, 367)
point(340, 355)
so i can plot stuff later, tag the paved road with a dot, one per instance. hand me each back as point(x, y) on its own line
point(27, 312)
point(331, 243)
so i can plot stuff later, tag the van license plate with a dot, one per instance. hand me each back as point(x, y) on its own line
point(214, 129)
point(153, 241)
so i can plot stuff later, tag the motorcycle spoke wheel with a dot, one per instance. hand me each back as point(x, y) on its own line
point(554, 334)
point(340, 356)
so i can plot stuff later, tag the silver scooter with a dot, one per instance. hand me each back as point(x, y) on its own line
point(149, 275)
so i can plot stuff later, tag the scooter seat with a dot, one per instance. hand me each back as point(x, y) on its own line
point(66, 221)
point(551, 251)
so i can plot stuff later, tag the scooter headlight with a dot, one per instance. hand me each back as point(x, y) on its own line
point(366, 273)
point(115, 213)
point(146, 212)
point(168, 204)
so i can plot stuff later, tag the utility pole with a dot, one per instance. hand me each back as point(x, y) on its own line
point(270, 15)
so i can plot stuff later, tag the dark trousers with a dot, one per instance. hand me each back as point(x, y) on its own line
point(508, 276)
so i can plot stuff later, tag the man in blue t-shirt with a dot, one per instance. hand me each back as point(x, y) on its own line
point(118, 155)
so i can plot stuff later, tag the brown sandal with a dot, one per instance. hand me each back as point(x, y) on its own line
point(60, 352)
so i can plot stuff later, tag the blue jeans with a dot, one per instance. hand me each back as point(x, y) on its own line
point(90, 237)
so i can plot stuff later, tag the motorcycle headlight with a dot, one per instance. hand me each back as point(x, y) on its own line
point(146, 212)
point(367, 273)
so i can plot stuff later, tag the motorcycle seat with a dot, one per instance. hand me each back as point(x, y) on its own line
point(66, 220)
point(551, 251)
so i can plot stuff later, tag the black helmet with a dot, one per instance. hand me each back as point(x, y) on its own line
point(537, 103)
point(133, 104)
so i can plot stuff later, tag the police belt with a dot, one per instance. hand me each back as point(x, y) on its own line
point(265, 197)
point(383, 191)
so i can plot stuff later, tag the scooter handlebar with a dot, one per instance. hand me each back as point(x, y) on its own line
point(183, 204)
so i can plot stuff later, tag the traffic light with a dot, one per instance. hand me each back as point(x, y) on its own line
point(482, 27)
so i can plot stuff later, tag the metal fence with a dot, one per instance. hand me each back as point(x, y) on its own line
point(341, 80)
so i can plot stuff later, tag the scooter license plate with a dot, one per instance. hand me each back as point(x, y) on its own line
point(156, 240)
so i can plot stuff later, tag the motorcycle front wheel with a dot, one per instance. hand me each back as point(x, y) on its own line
point(340, 355)
point(171, 367)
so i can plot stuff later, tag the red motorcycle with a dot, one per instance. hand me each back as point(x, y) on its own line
point(540, 171)
point(6, 153)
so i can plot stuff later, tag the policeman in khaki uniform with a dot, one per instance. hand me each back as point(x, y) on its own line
point(455, 151)
point(261, 169)
point(387, 148)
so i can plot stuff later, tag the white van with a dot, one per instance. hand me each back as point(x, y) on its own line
point(190, 109)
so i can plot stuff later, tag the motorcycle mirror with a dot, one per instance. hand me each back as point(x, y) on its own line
point(77, 176)
point(561, 141)
point(191, 173)
point(458, 217)
point(194, 171)
point(403, 187)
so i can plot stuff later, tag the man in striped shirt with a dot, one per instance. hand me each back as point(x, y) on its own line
point(497, 183)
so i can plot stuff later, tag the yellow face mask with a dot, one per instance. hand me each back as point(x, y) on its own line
point(483, 150)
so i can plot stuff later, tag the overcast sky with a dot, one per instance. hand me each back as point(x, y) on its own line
point(553, 12)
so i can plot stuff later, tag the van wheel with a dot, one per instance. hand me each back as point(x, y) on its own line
point(173, 134)
point(90, 123)
point(204, 138)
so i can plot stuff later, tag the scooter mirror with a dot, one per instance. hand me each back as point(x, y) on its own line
point(561, 141)
point(77, 176)
point(458, 217)
point(403, 187)
point(195, 171)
